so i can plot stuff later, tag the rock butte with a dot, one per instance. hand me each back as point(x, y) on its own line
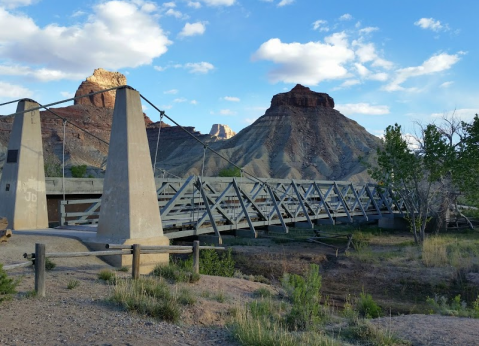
point(301, 135)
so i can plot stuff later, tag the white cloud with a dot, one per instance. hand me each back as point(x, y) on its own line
point(380, 76)
point(431, 24)
point(180, 100)
point(368, 30)
point(366, 52)
point(308, 63)
point(192, 29)
point(199, 67)
point(13, 91)
point(170, 4)
point(219, 2)
point(285, 2)
point(231, 98)
point(171, 92)
point(67, 94)
point(42, 74)
point(346, 16)
point(349, 83)
point(362, 70)
point(78, 14)
point(167, 106)
point(10, 4)
point(227, 112)
point(446, 84)
point(144, 108)
point(436, 63)
point(192, 67)
point(321, 25)
point(174, 13)
point(362, 108)
point(148, 7)
point(194, 4)
point(116, 35)
point(194, 102)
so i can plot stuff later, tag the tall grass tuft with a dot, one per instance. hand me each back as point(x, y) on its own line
point(7, 285)
point(434, 252)
point(262, 330)
point(147, 296)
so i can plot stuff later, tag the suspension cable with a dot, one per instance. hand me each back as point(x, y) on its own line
point(252, 176)
point(157, 142)
point(63, 101)
point(9, 102)
point(78, 127)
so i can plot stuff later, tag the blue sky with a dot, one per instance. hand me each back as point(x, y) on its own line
point(221, 61)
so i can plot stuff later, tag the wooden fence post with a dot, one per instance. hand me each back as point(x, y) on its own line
point(196, 257)
point(135, 267)
point(40, 269)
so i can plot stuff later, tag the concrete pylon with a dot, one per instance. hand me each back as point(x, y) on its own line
point(22, 187)
point(129, 212)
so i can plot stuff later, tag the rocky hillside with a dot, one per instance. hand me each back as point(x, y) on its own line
point(300, 136)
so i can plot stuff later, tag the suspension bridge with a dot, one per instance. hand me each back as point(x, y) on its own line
point(134, 207)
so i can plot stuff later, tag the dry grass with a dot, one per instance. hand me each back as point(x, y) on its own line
point(434, 252)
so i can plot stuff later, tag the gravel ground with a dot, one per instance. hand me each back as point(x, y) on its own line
point(82, 316)
point(428, 330)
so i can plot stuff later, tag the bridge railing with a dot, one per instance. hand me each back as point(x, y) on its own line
point(195, 206)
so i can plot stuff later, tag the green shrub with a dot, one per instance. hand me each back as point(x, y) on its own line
point(78, 171)
point(148, 297)
point(233, 172)
point(454, 307)
point(305, 296)
point(73, 284)
point(217, 263)
point(264, 331)
point(107, 275)
point(49, 264)
point(367, 307)
point(364, 330)
point(262, 293)
point(7, 285)
point(123, 269)
point(176, 273)
point(185, 297)
point(220, 297)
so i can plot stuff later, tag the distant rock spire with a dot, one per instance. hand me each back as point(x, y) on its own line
point(222, 131)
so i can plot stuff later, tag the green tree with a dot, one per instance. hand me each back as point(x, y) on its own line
point(429, 177)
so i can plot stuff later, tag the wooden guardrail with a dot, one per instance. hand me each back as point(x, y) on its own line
point(38, 258)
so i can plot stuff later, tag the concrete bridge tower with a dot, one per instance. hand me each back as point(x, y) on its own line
point(129, 211)
point(22, 187)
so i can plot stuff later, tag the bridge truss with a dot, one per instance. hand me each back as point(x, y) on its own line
point(196, 206)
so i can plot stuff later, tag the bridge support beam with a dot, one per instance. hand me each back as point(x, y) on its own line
point(129, 211)
point(22, 187)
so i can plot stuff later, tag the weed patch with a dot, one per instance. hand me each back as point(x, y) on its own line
point(73, 284)
point(147, 296)
point(7, 285)
point(107, 276)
